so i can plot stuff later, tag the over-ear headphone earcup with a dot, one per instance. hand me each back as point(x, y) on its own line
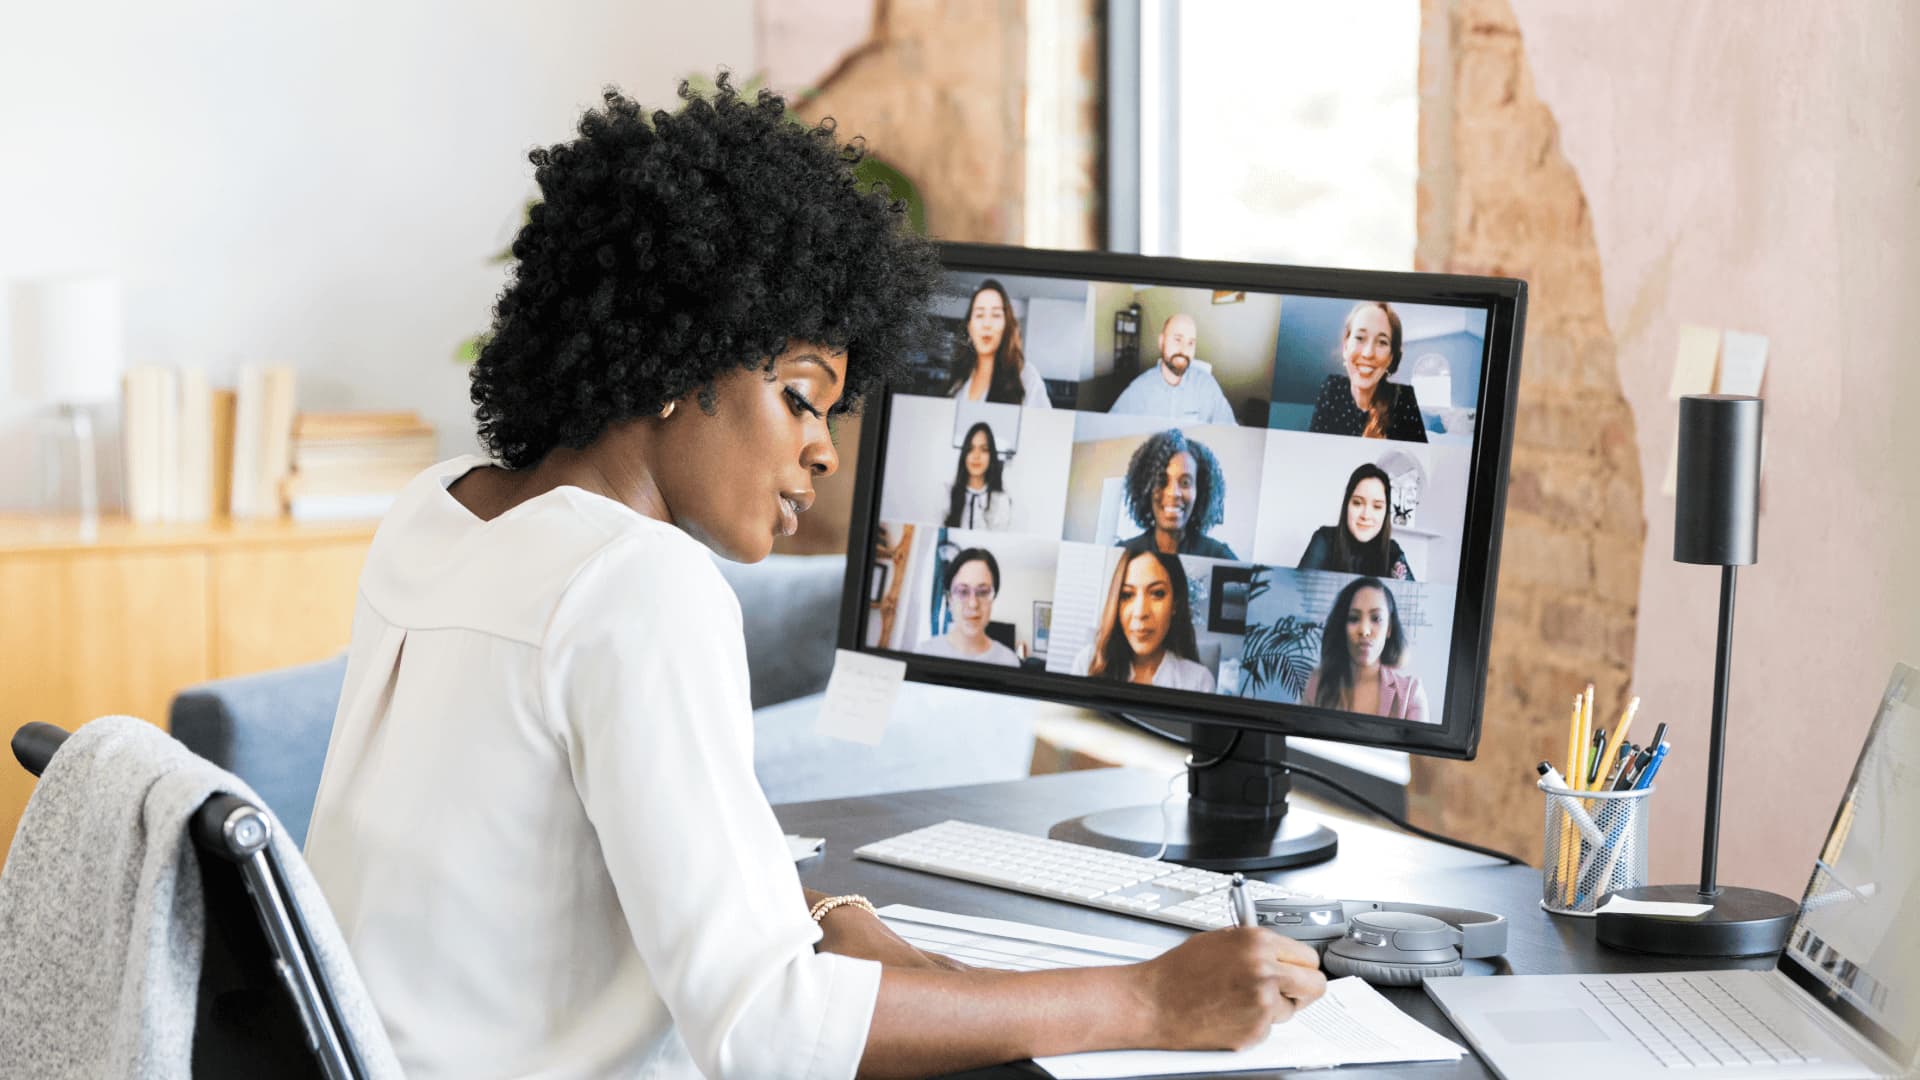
point(1384, 973)
point(1394, 948)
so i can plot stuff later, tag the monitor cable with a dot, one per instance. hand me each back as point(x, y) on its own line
point(1316, 776)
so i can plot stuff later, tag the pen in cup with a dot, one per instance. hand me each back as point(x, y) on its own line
point(1239, 903)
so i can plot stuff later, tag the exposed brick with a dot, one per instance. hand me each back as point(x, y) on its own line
point(1616, 569)
point(1534, 552)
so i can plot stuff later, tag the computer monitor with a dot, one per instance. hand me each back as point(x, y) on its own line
point(1261, 500)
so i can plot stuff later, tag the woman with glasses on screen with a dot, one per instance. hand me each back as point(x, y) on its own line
point(973, 577)
point(976, 499)
point(1363, 542)
point(1176, 492)
point(1361, 649)
point(1362, 402)
point(1146, 628)
point(991, 365)
point(545, 654)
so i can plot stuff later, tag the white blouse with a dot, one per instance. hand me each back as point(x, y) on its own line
point(991, 510)
point(1031, 385)
point(539, 826)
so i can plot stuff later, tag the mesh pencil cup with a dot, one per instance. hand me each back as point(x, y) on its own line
point(1596, 844)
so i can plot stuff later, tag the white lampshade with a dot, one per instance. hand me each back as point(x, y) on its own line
point(69, 347)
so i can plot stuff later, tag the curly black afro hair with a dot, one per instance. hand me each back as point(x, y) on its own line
point(1147, 471)
point(669, 250)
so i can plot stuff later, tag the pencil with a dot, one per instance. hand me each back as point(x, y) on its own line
point(1619, 735)
point(1567, 859)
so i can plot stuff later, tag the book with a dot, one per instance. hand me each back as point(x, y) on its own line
point(250, 391)
point(220, 453)
point(276, 439)
point(356, 425)
point(196, 446)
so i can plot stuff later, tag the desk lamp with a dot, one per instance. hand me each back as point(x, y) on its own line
point(1715, 523)
point(67, 334)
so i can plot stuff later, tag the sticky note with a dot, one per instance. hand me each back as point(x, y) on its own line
point(1743, 363)
point(1693, 367)
point(860, 696)
point(1621, 905)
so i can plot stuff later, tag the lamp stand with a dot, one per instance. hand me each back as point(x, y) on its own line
point(1740, 922)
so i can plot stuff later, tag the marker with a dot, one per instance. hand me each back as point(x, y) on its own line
point(1239, 903)
point(1574, 811)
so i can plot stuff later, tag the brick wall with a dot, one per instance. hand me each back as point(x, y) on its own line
point(1497, 196)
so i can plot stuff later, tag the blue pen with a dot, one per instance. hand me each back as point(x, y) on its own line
point(1646, 774)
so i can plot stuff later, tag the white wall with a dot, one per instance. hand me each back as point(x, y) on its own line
point(319, 185)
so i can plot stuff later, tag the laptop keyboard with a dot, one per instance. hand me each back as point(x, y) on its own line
point(1687, 1021)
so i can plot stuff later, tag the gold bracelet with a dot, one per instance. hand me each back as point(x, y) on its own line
point(820, 909)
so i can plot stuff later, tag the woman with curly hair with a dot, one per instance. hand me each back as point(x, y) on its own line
point(1146, 628)
point(992, 364)
point(539, 825)
point(1361, 649)
point(977, 500)
point(1176, 492)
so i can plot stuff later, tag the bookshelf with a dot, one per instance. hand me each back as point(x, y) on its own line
point(121, 622)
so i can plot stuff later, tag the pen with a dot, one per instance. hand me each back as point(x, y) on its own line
point(1594, 764)
point(1639, 765)
point(1646, 774)
point(1576, 815)
point(1239, 903)
point(1620, 759)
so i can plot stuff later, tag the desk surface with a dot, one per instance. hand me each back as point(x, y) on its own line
point(1373, 864)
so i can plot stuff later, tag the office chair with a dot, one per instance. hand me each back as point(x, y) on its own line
point(264, 1007)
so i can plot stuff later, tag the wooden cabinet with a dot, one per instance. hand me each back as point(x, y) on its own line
point(121, 622)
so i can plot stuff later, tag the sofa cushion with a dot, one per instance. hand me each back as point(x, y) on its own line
point(790, 605)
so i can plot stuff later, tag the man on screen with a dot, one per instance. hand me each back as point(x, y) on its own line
point(1178, 387)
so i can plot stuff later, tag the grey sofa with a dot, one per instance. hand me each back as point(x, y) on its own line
point(271, 729)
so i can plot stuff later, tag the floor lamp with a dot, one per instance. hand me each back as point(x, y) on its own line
point(1715, 523)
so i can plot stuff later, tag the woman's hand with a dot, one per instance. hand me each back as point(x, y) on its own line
point(853, 931)
point(1224, 989)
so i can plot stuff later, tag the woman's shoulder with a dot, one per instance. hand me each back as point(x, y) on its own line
point(1189, 674)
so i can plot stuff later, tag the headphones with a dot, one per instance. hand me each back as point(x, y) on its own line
point(1386, 944)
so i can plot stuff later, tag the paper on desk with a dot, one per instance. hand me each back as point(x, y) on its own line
point(1353, 1024)
point(1620, 905)
point(804, 847)
point(860, 695)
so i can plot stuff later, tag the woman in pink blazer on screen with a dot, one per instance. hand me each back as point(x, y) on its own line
point(1361, 649)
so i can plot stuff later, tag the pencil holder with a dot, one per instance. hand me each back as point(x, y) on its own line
point(1596, 843)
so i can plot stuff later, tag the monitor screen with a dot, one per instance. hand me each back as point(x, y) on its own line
point(1202, 491)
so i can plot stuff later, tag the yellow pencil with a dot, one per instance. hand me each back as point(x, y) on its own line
point(1618, 740)
point(1568, 861)
point(1586, 741)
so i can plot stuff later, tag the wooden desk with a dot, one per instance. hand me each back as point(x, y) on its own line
point(1373, 864)
point(121, 621)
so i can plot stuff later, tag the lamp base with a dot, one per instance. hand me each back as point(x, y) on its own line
point(1742, 922)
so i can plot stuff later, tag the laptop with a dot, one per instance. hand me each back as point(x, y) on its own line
point(1843, 1000)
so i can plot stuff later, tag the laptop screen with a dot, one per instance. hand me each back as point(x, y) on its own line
point(1856, 943)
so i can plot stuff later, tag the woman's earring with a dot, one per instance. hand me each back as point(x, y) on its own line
point(668, 411)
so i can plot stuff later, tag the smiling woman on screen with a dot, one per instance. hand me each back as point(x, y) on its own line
point(1362, 402)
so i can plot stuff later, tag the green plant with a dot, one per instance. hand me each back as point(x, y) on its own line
point(1283, 652)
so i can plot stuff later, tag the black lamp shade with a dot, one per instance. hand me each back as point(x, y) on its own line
point(1716, 509)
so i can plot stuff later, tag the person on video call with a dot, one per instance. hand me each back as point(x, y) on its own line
point(1146, 628)
point(545, 653)
point(1362, 402)
point(992, 364)
point(1176, 492)
point(1179, 387)
point(1363, 542)
point(1361, 649)
point(975, 499)
point(973, 579)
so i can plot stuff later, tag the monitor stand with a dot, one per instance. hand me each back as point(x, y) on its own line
point(1234, 817)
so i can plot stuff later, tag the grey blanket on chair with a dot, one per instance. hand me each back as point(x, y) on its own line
point(102, 921)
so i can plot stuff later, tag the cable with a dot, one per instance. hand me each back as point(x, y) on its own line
point(1438, 838)
point(1311, 774)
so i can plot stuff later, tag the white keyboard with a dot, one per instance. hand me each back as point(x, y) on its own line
point(1690, 1021)
point(1162, 891)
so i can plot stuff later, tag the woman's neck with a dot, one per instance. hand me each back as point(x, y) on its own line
point(1362, 397)
point(1366, 673)
point(1168, 543)
point(982, 375)
point(976, 483)
point(968, 644)
point(1146, 667)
